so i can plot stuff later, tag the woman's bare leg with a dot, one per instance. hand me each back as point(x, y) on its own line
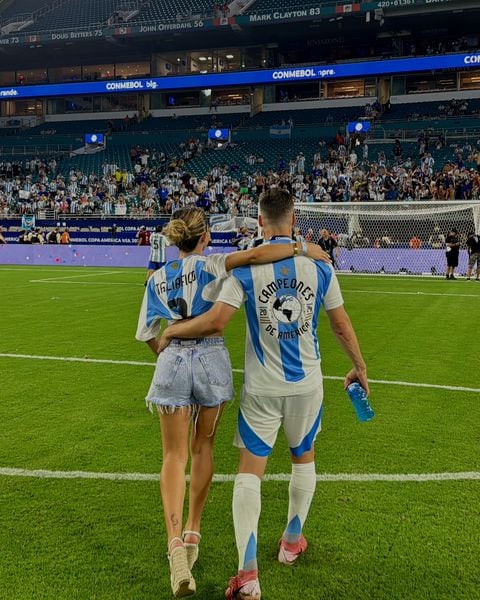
point(201, 469)
point(175, 430)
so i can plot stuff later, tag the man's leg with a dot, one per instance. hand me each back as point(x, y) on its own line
point(246, 507)
point(258, 423)
point(300, 494)
point(302, 422)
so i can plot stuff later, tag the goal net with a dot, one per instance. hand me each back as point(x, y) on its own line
point(401, 238)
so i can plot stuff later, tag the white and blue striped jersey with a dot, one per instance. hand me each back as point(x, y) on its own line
point(282, 304)
point(179, 290)
point(158, 245)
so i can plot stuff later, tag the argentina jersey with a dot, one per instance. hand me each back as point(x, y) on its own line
point(282, 304)
point(158, 244)
point(179, 290)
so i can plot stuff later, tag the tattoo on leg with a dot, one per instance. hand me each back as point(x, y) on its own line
point(173, 520)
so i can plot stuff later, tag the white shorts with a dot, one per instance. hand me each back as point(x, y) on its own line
point(260, 418)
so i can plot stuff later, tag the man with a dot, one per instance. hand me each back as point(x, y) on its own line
point(327, 243)
point(24, 237)
point(283, 380)
point(158, 244)
point(65, 237)
point(473, 245)
point(54, 236)
point(452, 251)
point(143, 236)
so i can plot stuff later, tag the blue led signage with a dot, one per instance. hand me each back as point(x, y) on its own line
point(215, 80)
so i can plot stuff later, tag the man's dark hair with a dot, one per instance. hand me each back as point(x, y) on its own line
point(276, 205)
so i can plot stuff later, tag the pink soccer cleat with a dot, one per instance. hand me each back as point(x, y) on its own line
point(288, 553)
point(244, 586)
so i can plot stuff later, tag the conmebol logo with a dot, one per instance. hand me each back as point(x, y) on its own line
point(473, 59)
point(302, 73)
point(124, 85)
point(294, 74)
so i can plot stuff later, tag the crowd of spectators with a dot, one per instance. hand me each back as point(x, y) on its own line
point(160, 184)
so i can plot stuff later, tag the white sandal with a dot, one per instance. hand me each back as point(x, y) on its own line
point(191, 548)
point(181, 580)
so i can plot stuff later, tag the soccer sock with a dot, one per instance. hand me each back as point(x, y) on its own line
point(246, 512)
point(300, 491)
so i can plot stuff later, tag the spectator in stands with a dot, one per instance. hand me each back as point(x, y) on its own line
point(397, 150)
point(54, 236)
point(65, 237)
point(24, 237)
point(37, 236)
point(359, 240)
point(415, 243)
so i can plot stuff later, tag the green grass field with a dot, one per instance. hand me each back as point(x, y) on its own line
point(74, 538)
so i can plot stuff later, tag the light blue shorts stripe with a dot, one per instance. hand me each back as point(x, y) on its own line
point(261, 417)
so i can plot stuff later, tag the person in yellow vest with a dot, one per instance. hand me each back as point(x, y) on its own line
point(65, 237)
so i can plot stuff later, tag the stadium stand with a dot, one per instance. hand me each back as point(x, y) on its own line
point(20, 7)
point(86, 13)
point(271, 5)
point(161, 10)
point(92, 12)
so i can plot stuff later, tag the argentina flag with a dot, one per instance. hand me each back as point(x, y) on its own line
point(280, 131)
point(28, 222)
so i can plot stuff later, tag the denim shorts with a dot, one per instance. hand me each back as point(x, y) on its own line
point(192, 373)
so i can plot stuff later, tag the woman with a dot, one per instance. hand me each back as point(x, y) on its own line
point(193, 378)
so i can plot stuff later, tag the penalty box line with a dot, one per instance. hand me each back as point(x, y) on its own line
point(136, 363)
point(230, 478)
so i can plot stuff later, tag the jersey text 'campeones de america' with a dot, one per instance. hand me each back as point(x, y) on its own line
point(282, 304)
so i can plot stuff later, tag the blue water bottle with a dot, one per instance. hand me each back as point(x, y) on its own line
point(360, 402)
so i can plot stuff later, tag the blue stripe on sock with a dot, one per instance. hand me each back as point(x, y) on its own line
point(250, 552)
point(294, 527)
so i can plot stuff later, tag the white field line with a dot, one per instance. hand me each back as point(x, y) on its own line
point(85, 282)
point(410, 293)
point(426, 277)
point(229, 478)
point(82, 276)
point(66, 281)
point(136, 363)
point(21, 268)
point(440, 278)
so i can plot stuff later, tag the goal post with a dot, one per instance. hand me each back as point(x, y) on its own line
point(391, 237)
